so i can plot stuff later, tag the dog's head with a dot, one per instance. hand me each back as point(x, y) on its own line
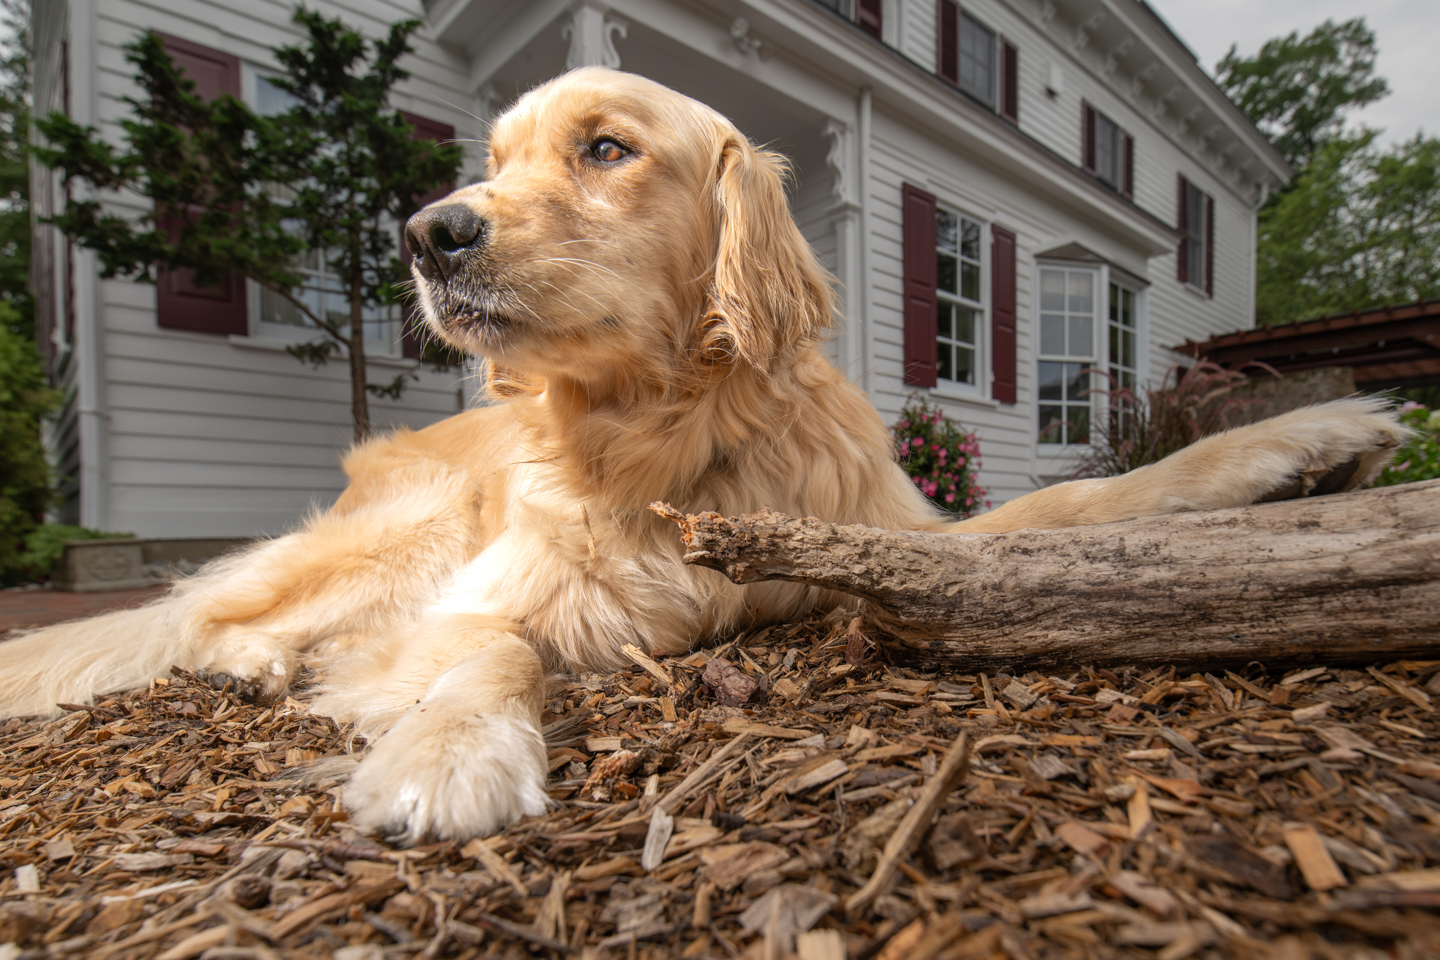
point(623, 231)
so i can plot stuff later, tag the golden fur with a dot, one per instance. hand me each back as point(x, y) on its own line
point(652, 326)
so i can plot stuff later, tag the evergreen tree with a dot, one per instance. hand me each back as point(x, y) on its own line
point(236, 192)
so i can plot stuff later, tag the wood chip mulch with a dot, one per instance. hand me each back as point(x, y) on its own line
point(742, 800)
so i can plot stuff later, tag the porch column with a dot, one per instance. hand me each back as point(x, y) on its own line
point(848, 350)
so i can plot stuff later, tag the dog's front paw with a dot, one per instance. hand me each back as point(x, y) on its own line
point(256, 665)
point(445, 773)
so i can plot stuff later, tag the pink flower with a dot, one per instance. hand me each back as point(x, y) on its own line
point(949, 498)
point(1409, 405)
point(960, 462)
point(916, 442)
point(987, 504)
point(969, 501)
point(1401, 468)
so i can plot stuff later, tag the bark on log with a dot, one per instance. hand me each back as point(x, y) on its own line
point(1344, 578)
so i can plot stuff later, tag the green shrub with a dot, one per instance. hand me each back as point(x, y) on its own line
point(46, 544)
point(940, 457)
point(1420, 458)
point(26, 490)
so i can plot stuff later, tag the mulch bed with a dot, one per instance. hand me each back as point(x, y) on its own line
point(733, 802)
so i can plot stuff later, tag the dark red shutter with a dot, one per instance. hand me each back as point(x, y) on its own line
point(1009, 81)
point(1182, 223)
point(1127, 165)
point(920, 279)
point(1087, 123)
point(1002, 314)
point(947, 57)
point(867, 15)
point(180, 305)
point(1209, 247)
point(425, 129)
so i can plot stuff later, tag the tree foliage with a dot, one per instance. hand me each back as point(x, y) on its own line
point(25, 482)
point(1359, 225)
point(1297, 90)
point(237, 192)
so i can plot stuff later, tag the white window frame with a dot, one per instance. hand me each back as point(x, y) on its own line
point(1052, 457)
point(959, 389)
point(386, 346)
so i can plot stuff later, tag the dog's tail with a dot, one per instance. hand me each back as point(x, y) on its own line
point(72, 662)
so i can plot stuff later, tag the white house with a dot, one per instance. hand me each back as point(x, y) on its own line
point(1011, 192)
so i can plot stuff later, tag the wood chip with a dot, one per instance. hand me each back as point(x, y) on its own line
point(1315, 863)
point(951, 773)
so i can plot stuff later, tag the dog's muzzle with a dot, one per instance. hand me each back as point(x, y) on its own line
point(441, 238)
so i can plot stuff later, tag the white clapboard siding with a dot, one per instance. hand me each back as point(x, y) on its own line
point(211, 437)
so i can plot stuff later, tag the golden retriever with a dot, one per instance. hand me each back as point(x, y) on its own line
point(653, 318)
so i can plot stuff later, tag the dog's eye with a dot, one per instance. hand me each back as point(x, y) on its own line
point(608, 151)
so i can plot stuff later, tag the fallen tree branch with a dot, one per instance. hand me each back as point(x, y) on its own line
point(1344, 578)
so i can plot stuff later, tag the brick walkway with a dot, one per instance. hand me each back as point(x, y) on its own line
point(20, 609)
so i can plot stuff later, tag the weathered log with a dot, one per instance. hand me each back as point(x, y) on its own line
point(1344, 578)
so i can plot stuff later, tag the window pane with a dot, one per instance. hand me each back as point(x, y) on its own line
point(276, 309)
point(1052, 380)
point(964, 365)
point(947, 227)
point(270, 100)
point(1107, 150)
point(1078, 430)
point(977, 60)
point(1052, 427)
point(1127, 349)
point(1082, 340)
point(1077, 382)
point(944, 322)
point(964, 325)
point(1052, 290)
point(1082, 291)
point(970, 281)
point(970, 240)
point(945, 270)
point(1127, 300)
point(945, 366)
point(1052, 334)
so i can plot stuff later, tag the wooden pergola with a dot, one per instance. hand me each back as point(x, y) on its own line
point(1393, 346)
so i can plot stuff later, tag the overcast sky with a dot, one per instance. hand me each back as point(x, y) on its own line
point(1406, 31)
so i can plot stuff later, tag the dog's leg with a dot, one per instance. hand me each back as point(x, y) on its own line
point(464, 759)
point(1330, 447)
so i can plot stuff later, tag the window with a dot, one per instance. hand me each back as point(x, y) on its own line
point(326, 296)
point(1195, 260)
point(959, 313)
point(977, 60)
point(867, 14)
point(1109, 152)
point(1124, 339)
point(972, 57)
point(945, 306)
point(1066, 353)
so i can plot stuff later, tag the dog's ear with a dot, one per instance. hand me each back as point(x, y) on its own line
point(770, 292)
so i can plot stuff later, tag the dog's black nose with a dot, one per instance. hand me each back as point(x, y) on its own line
point(438, 237)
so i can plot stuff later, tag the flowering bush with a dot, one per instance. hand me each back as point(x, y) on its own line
point(1420, 458)
point(940, 457)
